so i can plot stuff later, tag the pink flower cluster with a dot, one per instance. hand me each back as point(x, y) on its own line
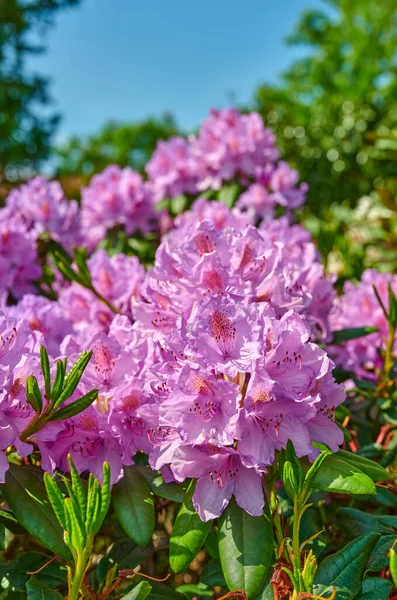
point(217, 373)
point(116, 197)
point(216, 251)
point(209, 361)
point(359, 307)
point(35, 208)
point(234, 383)
point(229, 146)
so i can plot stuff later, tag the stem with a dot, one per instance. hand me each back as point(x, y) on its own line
point(270, 484)
point(389, 358)
point(78, 576)
point(106, 302)
point(296, 543)
point(37, 423)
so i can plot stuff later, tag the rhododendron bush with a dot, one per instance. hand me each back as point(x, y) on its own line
point(183, 392)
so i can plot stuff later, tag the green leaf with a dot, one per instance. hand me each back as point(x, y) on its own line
point(343, 335)
point(15, 574)
point(134, 507)
point(171, 491)
point(139, 592)
point(340, 477)
point(76, 407)
point(228, 194)
point(33, 394)
point(188, 534)
point(80, 257)
point(290, 481)
point(26, 495)
point(393, 565)
point(193, 590)
point(212, 545)
point(38, 591)
point(128, 555)
point(78, 488)
point(311, 525)
point(375, 471)
point(345, 568)
point(356, 522)
point(380, 554)
point(69, 386)
point(80, 365)
point(267, 592)
point(56, 498)
point(45, 368)
point(93, 504)
point(375, 588)
point(326, 591)
point(164, 592)
point(389, 521)
point(178, 204)
point(245, 548)
point(212, 574)
point(58, 381)
point(74, 526)
point(105, 497)
point(10, 522)
point(315, 467)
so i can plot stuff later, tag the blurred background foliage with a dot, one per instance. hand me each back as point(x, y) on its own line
point(116, 143)
point(334, 113)
point(26, 130)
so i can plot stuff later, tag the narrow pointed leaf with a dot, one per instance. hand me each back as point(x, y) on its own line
point(188, 534)
point(393, 565)
point(69, 386)
point(344, 335)
point(58, 381)
point(105, 496)
point(315, 467)
point(245, 548)
point(76, 533)
point(80, 364)
point(80, 257)
point(93, 504)
point(78, 488)
point(134, 506)
point(76, 407)
point(33, 394)
point(56, 498)
point(45, 368)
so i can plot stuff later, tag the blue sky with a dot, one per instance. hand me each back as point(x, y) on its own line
point(128, 59)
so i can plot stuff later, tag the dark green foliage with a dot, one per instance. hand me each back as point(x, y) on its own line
point(329, 100)
point(25, 132)
point(124, 144)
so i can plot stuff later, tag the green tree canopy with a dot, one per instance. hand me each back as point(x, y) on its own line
point(119, 143)
point(25, 128)
point(331, 101)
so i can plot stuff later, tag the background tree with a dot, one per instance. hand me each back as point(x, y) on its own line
point(116, 143)
point(328, 101)
point(25, 129)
